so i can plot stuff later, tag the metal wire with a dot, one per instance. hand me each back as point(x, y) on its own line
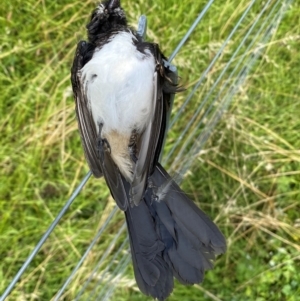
point(203, 76)
point(189, 32)
point(108, 267)
point(105, 255)
point(45, 236)
point(239, 79)
point(89, 249)
point(185, 154)
point(239, 74)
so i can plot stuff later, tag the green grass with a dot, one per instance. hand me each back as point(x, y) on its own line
point(247, 177)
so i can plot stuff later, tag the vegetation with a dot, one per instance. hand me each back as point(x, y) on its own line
point(247, 176)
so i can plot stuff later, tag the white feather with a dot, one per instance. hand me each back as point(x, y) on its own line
point(119, 85)
point(118, 82)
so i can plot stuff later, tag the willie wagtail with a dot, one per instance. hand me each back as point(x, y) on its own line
point(122, 93)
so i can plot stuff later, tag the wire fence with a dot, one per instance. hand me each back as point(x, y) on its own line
point(260, 18)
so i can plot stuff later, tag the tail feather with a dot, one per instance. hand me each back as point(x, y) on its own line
point(189, 217)
point(193, 256)
point(174, 254)
point(170, 237)
point(191, 239)
point(183, 272)
point(152, 273)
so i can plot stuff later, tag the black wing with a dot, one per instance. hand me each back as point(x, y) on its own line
point(151, 140)
point(87, 129)
point(99, 164)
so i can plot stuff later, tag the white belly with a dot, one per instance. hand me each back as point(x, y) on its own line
point(119, 85)
point(118, 82)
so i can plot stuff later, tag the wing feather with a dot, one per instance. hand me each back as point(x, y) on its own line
point(152, 138)
point(87, 129)
point(89, 136)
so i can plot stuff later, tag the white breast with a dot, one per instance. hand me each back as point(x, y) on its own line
point(118, 81)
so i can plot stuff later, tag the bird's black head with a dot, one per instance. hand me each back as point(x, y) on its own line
point(108, 16)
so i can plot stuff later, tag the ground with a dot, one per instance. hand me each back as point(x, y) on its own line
point(246, 175)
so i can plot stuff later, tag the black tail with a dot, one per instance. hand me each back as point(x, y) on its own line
point(170, 236)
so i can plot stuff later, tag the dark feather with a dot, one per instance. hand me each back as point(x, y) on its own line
point(169, 235)
point(187, 214)
point(192, 240)
point(86, 125)
point(152, 273)
point(88, 132)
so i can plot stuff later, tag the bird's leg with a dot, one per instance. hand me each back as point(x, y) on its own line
point(102, 144)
